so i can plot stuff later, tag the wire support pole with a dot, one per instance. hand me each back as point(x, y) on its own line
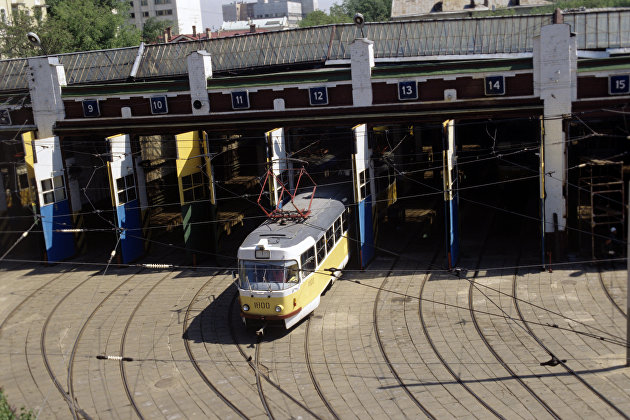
point(628, 283)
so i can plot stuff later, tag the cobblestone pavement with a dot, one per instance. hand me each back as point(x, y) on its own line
point(411, 342)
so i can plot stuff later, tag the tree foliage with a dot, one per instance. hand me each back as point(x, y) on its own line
point(71, 25)
point(13, 35)
point(154, 29)
point(319, 17)
point(372, 11)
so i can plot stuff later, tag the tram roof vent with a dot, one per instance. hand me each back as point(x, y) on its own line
point(285, 206)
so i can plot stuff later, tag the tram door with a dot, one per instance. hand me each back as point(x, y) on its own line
point(122, 181)
point(277, 155)
point(451, 198)
point(197, 211)
point(364, 193)
point(52, 195)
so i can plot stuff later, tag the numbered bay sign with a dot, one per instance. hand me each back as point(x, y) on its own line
point(318, 95)
point(158, 105)
point(5, 118)
point(495, 85)
point(90, 108)
point(407, 91)
point(240, 100)
point(619, 84)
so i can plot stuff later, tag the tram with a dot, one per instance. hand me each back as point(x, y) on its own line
point(288, 262)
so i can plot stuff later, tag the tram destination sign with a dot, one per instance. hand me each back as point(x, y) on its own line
point(318, 95)
point(159, 105)
point(494, 85)
point(91, 108)
point(619, 84)
point(5, 117)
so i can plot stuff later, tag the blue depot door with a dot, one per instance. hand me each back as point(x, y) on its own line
point(56, 221)
point(363, 183)
point(451, 199)
point(131, 240)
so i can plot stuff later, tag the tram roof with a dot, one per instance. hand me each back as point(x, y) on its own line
point(317, 46)
point(325, 209)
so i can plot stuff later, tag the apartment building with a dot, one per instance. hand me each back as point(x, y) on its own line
point(184, 13)
point(8, 7)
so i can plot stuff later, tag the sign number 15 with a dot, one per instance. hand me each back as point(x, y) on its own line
point(619, 84)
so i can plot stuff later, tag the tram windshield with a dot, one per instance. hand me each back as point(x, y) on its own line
point(268, 275)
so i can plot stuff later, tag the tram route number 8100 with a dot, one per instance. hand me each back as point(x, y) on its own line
point(262, 305)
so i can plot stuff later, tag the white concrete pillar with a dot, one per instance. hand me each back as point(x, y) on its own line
point(361, 63)
point(555, 82)
point(45, 79)
point(199, 71)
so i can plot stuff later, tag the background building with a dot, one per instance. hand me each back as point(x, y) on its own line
point(7, 7)
point(184, 13)
point(294, 11)
point(409, 9)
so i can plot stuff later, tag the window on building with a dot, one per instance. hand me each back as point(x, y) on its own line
point(3, 15)
point(163, 12)
point(144, 2)
point(131, 3)
point(192, 187)
point(363, 184)
point(145, 14)
point(126, 188)
point(162, 1)
point(53, 189)
point(132, 15)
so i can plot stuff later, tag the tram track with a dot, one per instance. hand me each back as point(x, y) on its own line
point(311, 373)
point(255, 365)
point(443, 361)
point(123, 339)
point(484, 339)
point(554, 358)
point(381, 345)
point(72, 405)
point(73, 352)
point(193, 360)
point(29, 297)
point(17, 308)
point(608, 295)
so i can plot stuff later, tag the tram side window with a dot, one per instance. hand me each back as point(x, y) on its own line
point(308, 262)
point(330, 239)
point(321, 249)
point(344, 221)
point(337, 228)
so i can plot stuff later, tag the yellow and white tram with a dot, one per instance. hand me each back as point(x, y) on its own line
point(286, 263)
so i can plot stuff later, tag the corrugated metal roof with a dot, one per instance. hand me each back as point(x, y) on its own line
point(598, 29)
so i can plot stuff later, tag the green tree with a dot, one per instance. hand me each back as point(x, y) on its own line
point(372, 10)
point(83, 25)
point(13, 42)
point(318, 17)
point(71, 25)
point(154, 29)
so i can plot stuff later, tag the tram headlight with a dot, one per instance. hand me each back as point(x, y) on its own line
point(279, 308)
point(245, 307)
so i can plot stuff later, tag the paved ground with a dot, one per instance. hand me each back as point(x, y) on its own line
point(409, 343)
